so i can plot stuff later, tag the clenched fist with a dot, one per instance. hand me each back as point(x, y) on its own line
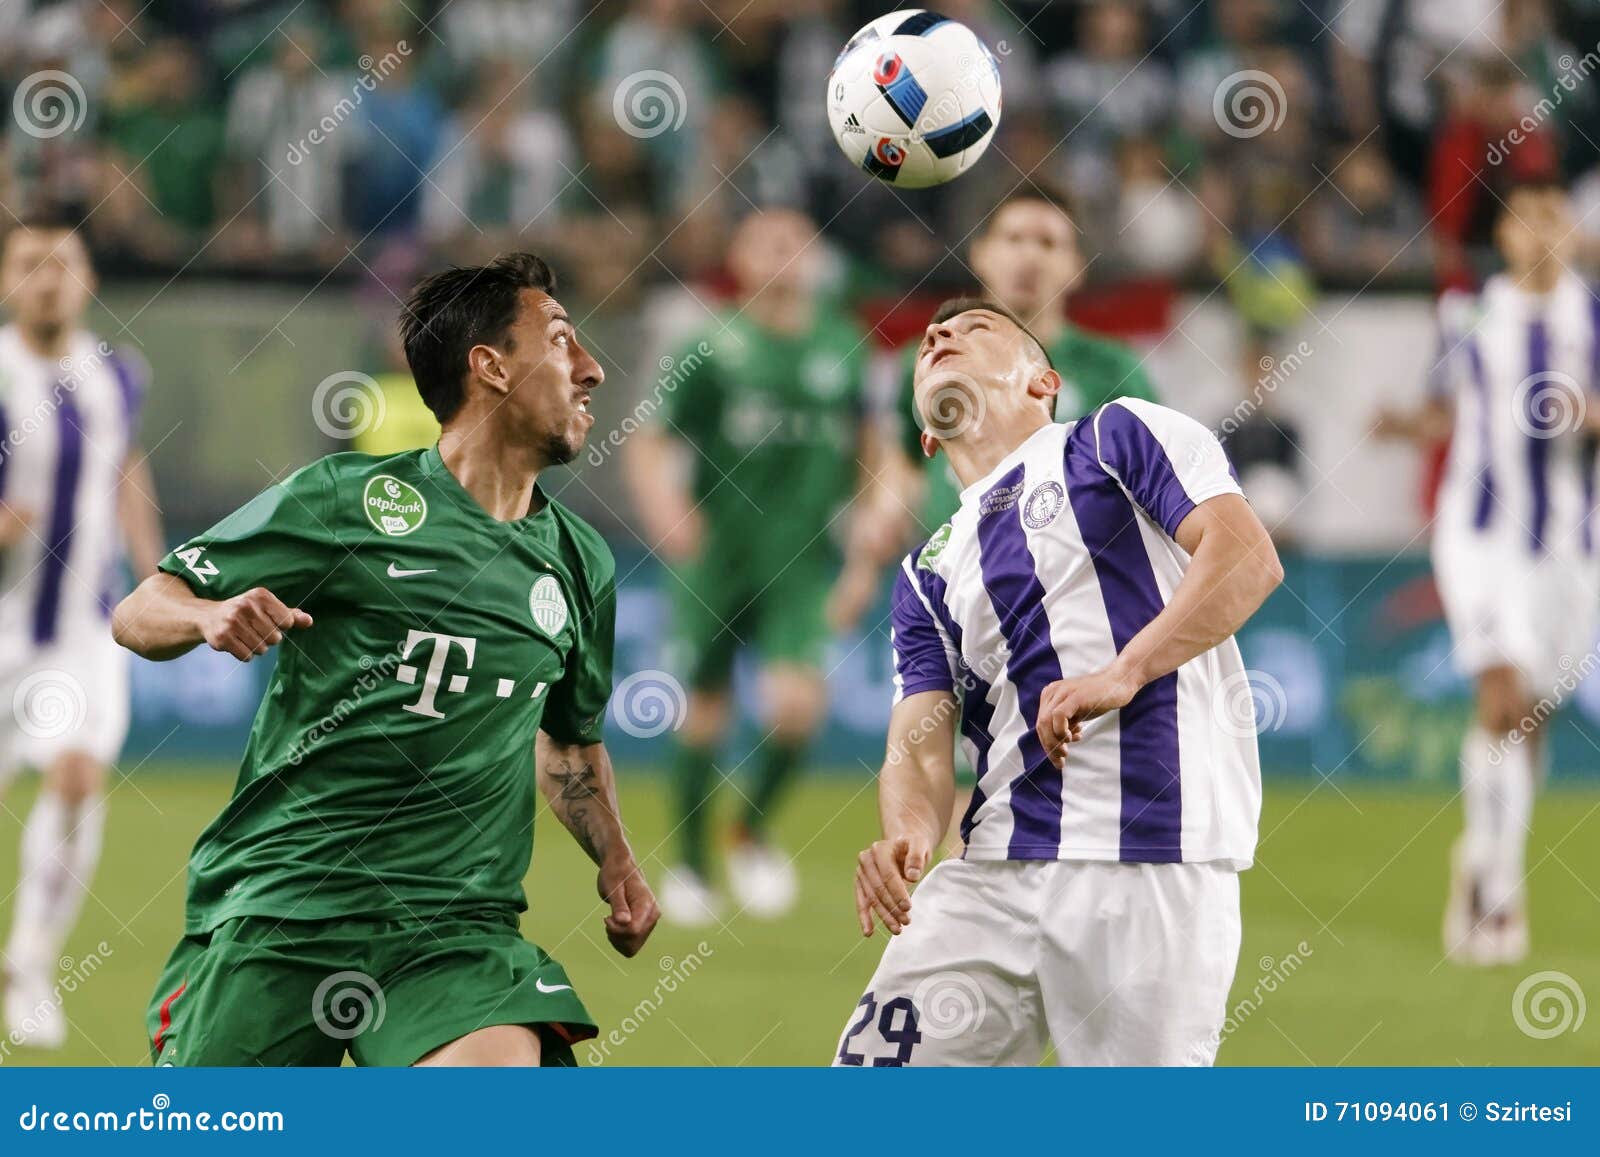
point(247, 625)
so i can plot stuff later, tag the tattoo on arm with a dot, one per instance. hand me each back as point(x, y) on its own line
point(579, 789)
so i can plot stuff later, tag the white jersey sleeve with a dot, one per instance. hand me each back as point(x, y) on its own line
point(1166, 461)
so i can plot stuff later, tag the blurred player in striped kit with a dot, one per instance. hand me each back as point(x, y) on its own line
point(1513, 387)
point(1074, 623)
point(74, 487)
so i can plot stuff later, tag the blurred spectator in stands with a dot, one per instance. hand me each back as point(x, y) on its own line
point(1159, 225)
point(1108, 87)
point(478, 34)
point(287, 146)
point(400, 121)
point(654, 76)
point(163, 148)
point(1368, 225)
point(501, 181)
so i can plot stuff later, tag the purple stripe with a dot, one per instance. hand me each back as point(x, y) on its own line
point(1128, 447)
point(919, 655)
point(1588, 456)
point(5, 447)
point(132, 394)
point(1480, 383)
point(1152, 798)
point(977, 712)
point(1540, 431)
point(1018, 600)
point(58, 537)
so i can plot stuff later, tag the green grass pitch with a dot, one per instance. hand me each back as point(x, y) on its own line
point(1340, 963)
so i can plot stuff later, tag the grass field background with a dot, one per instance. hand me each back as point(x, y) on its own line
point(1356, 876)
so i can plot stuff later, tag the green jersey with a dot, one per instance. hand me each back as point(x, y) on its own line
point(389, 772)
point(774, 421)
point(1093, 370)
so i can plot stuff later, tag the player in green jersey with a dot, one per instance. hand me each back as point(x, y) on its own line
point(446, 636)
point(739, 489)
point(1028, 258)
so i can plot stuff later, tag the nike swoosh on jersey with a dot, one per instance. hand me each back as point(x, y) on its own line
point(543, 987)
point(396, 572)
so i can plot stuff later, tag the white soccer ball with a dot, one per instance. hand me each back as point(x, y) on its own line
point(914, 98)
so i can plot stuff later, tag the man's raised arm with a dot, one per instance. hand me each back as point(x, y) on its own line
point(162, 619)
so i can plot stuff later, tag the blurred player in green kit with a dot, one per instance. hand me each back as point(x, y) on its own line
point(1027, 256)
point(445, 636)
point(740, 487)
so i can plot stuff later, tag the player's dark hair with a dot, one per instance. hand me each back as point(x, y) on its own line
point(1057, 199)
point(1543, 181)
point(959, 305)
point(450, 312)
point(47, 219)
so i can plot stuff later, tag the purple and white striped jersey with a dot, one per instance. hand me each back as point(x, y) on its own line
point(1054, 561)
point(1522, 368)
point(65, 430)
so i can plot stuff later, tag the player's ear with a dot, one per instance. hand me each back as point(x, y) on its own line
point(930, 445)
point(1044, 384)
point(488, 365)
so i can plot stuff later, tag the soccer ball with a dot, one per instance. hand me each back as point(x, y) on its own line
point(914, 98)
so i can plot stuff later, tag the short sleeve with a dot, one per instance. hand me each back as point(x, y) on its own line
point(576, 710)
point(1167, 462)
point(281, 539)
point(921, 662)
point(691, 406)
point(132, 374)
point(1455, 351)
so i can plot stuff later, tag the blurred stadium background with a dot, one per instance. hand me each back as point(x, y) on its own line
point(1271, 195)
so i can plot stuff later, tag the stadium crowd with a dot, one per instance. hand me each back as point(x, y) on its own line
point(1340, 143)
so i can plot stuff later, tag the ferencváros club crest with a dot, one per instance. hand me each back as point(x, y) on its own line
point(548, 605)
point(1043, 505)
point(393, 506)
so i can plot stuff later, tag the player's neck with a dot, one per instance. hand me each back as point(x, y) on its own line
point(781, 312)
point(46, 341)
point(1541, 278)
point(975, 454)
point(500, 477)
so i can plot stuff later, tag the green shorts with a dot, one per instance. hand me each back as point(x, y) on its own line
point(261, 991)
point(717, 609)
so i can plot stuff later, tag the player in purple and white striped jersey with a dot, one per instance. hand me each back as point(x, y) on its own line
point(1514, 388)
point(73, 489)
point(1073, 622)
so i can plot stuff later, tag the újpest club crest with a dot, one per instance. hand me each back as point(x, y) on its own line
point(1043, 505)
point(548, 605)
point(393, 506)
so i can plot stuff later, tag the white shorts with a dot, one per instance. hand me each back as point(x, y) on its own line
point(1507, 608)
point(67, 696)
point(1113, 964)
